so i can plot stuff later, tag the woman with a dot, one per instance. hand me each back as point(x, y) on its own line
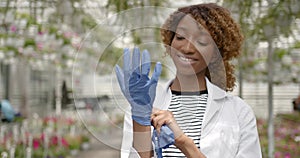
point(205, 120)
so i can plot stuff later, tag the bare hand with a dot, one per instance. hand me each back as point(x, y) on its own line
point(165, 117)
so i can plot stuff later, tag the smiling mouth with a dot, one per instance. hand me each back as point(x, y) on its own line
point(185, 59)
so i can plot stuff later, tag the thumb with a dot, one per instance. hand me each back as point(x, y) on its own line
point(120, 77)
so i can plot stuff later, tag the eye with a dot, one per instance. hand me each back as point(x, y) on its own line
point(202, 43)
point(179, 37)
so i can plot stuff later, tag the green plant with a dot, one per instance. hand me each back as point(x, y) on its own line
point(85, 138)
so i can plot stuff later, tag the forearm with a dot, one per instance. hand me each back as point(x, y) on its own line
point(188, 147)
point(142, 140)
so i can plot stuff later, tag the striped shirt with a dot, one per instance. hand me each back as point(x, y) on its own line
point(188, 109)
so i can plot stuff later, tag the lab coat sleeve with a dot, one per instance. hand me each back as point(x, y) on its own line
point(162, 100)
point(127, 150)
point(249, 145)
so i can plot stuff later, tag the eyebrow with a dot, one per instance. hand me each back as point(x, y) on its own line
point(182, 28)
point(201, 30)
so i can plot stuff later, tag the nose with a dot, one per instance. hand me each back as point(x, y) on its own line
point(188, 47)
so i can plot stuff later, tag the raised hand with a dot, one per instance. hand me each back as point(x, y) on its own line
point(136, 85)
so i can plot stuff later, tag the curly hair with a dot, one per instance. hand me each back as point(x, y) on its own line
point(224, 31)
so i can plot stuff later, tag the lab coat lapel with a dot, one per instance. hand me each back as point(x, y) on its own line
point(214, 104)
point(163, 95)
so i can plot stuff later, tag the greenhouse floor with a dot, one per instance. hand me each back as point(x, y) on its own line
point(100, 149)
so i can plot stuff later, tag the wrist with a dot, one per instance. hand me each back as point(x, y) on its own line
point(175, 128)
point(141, 138)
point(140, 126)
point(188, 147)
point(182, 140)
point(143, 121)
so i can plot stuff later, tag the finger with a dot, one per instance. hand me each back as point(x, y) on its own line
point(159, 119)
point(159, 124)
point(153, 115)
point(146, 63)
point(126, 60)
point(156, 112)
point(155, 119)
point(136, 60)
point(162, 115)
point(126, 64)
point(157, 72)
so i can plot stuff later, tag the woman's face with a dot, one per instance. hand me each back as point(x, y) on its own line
point(192, 48)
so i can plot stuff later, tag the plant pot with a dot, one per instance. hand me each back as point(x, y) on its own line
point(85, 146)
point(74, 152)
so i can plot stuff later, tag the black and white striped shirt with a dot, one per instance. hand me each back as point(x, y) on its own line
point(188, 109)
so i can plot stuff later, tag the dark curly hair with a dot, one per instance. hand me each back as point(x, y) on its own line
point(224, 31)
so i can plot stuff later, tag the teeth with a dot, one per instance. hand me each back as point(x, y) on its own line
point(185, 59)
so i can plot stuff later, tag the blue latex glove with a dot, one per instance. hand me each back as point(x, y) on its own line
point(136, 86)
point(7, 110)
point(162, 140)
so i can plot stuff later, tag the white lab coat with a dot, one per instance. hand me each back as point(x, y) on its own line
point(228, 130)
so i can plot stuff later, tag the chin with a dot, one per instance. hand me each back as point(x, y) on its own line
point(184, 72)
point(190, 71)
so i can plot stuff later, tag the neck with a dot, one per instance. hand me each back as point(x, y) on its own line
point(189, 83)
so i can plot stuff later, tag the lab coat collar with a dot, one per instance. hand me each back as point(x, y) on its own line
point(164, 94)
point(217, 92)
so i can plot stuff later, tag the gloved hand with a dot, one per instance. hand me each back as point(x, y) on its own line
point(136, 86)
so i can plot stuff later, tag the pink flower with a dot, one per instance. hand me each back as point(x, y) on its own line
point(277, 154)
point(54, 140)
point(68, 34)
point(287, 155)
point(20, 50)
point(42, 136)
point(13, 28)
point(50, 119)
point(40, 45)
point(64, 142)
point(36, 143)
point(70, 121)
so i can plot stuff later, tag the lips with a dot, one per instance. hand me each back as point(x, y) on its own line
point(186, 59)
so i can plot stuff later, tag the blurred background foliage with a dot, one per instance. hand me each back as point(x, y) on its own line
point(43, 33)
point(261, 20)
point(264, 21)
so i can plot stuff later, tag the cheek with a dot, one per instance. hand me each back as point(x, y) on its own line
point(174, 48)
point(175, 44)
point(206, 53)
